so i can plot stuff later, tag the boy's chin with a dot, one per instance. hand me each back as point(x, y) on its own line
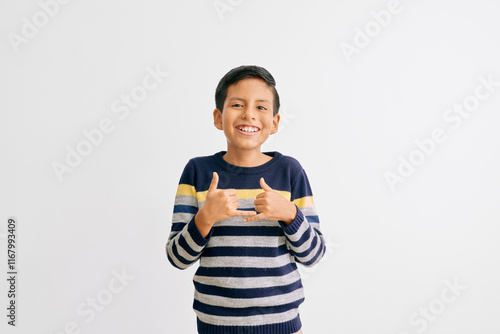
point(246, 147)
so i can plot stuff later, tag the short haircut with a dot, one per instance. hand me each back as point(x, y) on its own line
point(243, 72)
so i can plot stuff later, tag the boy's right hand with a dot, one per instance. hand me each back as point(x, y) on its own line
point(219, 204)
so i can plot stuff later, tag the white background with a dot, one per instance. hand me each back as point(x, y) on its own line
point(348, 120)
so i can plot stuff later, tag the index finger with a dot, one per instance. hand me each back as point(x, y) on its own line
point(244, 213)
point(254, 218)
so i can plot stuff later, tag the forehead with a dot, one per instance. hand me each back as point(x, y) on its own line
point(253, 88)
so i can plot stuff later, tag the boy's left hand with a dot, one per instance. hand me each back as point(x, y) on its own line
point(272, 205)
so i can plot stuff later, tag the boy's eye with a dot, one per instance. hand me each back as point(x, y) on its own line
point(237, 105)
point(261, 108)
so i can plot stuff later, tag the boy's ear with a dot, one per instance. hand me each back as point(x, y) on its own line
point(276, 120)
point(218, 119)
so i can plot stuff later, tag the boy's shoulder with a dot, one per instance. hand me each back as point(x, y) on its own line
point(292, 162)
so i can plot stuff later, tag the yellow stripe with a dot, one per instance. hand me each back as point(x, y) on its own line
point(202, 195)
point(304, 201)
point(252, 193)
point(186, 189)
point(245, 194)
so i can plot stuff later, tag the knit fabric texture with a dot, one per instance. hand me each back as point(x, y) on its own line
point(247, 280)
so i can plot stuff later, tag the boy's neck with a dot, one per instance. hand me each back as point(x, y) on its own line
point(251, 158)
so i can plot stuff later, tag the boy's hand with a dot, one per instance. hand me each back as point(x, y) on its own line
point(219, 204)
point(272, 205)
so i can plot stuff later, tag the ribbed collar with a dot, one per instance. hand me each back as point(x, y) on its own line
point(233, 169)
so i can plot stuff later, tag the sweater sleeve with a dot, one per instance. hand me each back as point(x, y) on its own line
point(304, 238)
point(185, 243)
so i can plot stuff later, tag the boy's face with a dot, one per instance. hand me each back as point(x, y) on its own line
point(249, 103)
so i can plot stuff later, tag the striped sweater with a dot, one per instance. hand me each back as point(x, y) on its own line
point(247, 280)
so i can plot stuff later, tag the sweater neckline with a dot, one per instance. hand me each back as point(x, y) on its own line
point(233, 169)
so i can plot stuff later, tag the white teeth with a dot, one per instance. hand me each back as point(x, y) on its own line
point(249, 129)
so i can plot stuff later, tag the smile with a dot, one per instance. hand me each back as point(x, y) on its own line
point(248, 130)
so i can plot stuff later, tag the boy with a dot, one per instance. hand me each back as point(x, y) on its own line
point(248, 216)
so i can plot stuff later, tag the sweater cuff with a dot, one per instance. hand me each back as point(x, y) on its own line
point(295, 225)
point(196, 235)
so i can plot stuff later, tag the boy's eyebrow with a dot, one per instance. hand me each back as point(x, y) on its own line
point(242, 99)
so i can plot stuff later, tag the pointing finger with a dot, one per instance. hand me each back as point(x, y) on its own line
point(244, 213)
point(254, 217)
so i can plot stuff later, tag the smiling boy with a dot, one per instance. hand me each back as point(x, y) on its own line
point(251, 227)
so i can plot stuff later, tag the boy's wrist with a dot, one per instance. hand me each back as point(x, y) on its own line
point(203, 217)
point(292, 214)
point(203, 222)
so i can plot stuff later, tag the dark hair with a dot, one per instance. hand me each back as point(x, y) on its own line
point(240, 73)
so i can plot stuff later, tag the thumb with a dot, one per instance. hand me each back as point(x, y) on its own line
point(214, 183)
point(264, 185)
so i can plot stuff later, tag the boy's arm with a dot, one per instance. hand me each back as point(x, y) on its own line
point(185, 242)
point(304, 238)
point(192, 228)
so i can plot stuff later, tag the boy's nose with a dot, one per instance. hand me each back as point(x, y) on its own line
point(248, 113)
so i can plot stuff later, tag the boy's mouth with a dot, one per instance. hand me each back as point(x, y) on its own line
point(247, 129)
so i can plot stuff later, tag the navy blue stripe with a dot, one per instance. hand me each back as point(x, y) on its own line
point(246, 272)
point(171, 260)
point(246, 209)
point(176, 227)
point(183, 243)
point(247, 293)
point(305, 236)
point(320, 252)
point(177, 256)
point(246, 251)
point(290, 326)
point(266, 231)
point(245, 311)
point(185, 208)
point(306, 252)
point(313, 219)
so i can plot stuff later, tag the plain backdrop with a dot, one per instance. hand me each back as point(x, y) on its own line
point(359, 89)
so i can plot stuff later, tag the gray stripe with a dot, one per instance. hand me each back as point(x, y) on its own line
point(176, 261)
point(182, 252)
point(249, 282)
point(238, 221)
point(309, 211)
point(244, 203)
point(302, 229)
point(244, 241)
point(255, 320)
point(186, 200)
point(245, 261)
point(182, 217)
point(250, 302)
point(193, 245)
